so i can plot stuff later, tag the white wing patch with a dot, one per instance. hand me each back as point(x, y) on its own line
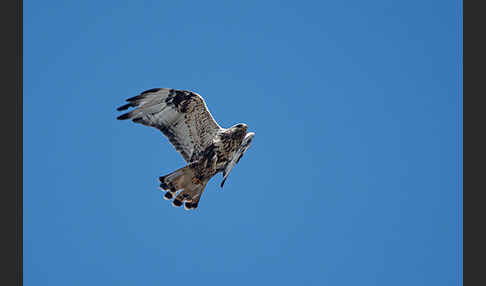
point(245, 144)
point(181, 115)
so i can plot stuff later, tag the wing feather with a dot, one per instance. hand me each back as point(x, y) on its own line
point(181, 115)
point(245, 144)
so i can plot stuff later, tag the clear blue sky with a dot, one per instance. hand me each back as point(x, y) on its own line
point(351, 179)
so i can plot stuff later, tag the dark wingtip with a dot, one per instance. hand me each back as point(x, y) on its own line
point(124, 116)
point(126, 106)
point(151, 90)
point(134, 98)
point(142, 95)
point(222, 183)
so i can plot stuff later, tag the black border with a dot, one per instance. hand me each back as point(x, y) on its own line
point(20, 139)
point(473, 144)
point(11, 200)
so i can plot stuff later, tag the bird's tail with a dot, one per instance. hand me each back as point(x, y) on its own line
point(184, 186)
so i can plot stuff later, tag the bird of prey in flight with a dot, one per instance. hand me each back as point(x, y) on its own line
point(207, 148)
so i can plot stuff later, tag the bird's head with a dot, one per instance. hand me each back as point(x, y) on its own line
point(241, 126)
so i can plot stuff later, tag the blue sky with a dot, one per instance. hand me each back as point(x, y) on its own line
point(351, 179)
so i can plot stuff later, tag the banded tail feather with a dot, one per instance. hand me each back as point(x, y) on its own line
point(184, 186)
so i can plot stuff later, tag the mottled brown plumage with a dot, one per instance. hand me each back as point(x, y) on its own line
point(208, 149)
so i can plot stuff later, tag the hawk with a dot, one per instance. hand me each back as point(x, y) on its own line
point(207, 148)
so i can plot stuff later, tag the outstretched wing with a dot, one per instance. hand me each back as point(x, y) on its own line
point(245, 144)
point(180, 114)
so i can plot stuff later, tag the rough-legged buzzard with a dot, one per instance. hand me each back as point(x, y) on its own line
point(206, 147)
